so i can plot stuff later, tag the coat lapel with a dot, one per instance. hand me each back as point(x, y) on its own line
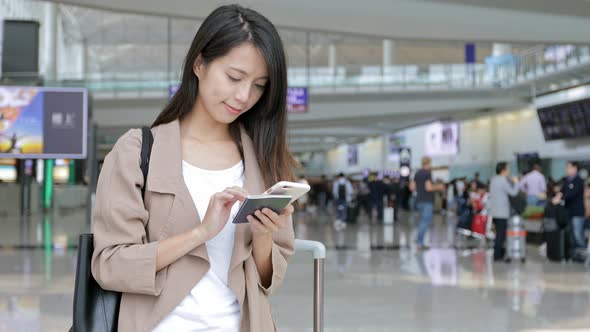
point(165, 176)
point(253, 184)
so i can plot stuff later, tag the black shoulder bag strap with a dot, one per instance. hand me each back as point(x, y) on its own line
point(146, 150)
point(96, 309)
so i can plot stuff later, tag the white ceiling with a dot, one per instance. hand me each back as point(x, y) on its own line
point(535, 21)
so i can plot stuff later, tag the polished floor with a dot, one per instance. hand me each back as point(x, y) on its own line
point(375, 280)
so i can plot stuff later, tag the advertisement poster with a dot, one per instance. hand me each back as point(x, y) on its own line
point(396, 142)
point(297, 100)
point(442, 139)
point(21, 121)
point(353, 154)
point(37, 122)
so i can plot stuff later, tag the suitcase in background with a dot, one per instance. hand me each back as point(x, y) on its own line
point(557, 245)
point(479, 224)
point(516, 239)
point(388, 216)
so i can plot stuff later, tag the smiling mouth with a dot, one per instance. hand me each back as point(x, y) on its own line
point(231, 109)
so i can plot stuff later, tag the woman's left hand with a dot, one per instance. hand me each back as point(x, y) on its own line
point(266, 221)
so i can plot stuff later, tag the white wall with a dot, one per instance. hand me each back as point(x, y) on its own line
point(370, 156)
point(474, 144)
point(522, 132)
point(483, 142)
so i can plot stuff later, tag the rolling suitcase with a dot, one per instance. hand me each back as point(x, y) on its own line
point(557, 240)
point(352, 213)
point(388, 214)
point(557, 248)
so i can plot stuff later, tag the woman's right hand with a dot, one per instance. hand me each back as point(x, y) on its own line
point(219, 210)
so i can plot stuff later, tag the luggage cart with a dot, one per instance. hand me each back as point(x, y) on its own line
point(319, 254)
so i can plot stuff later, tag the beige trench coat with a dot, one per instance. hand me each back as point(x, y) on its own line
point(127, 233)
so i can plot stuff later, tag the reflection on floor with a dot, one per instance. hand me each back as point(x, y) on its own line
point(375, 280)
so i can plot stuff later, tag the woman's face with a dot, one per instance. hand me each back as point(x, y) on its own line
point(230, 85)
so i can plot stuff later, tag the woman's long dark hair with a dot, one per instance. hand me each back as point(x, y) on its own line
point(266, 122)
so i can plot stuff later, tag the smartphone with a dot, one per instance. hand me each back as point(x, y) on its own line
point(253, 203)
point(293, 189)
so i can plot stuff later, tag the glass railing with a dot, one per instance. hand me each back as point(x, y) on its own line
point(541, 62)
point(403, 77)
point(451, 76)
point(498, 72)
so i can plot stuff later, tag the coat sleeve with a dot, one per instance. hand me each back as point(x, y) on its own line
point(123, 260)
point(511, 189)
point(283, 248)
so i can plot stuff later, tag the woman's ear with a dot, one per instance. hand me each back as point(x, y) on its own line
point(198, 66)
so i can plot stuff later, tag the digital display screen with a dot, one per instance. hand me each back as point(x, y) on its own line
point(569, 120)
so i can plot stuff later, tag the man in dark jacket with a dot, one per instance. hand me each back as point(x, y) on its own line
point(378, 190)
point(573, 196)
point(394, 195)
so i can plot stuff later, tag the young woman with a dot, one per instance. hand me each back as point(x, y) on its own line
point(179, 261)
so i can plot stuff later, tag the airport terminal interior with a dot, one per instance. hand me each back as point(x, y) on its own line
point(445, 145)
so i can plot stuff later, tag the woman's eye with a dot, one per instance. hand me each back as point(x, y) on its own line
point(261, 86)
point(233, 79)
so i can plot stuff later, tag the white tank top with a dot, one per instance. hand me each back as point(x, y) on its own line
point(211, 304)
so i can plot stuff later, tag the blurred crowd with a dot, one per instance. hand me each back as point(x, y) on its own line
point(380, 198)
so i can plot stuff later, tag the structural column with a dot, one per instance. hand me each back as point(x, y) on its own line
point(50, 36)
point(332, 56)
point(388, 48)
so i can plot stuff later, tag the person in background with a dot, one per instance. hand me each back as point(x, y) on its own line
point(322, 193)
point(363, 200)
point(501, 189)
point(405, 194)
point(394, 196)
point(303, 199)
point(535, 186)
point(554, 208)
point(587, 204)
point(572, 194)
point(378, 191)
point(477, 180)
point(342, 191)
point(460, 196)
point(425, 198)
point(451, 194)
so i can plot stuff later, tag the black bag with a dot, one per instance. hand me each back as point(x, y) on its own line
point(550, 225)
point(518, 203)
point(97, 309)
point(342, 191)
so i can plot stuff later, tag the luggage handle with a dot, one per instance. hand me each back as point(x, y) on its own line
point(319, 254)
point(318, 248)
